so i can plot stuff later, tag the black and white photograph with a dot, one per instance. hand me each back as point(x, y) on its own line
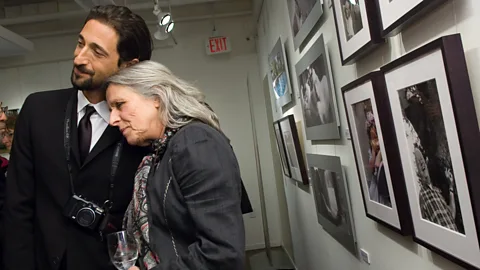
point(397, 15)
point(352, 19)
point(281, 150)
point(358, 28)
point(278, 75)
point(303, 14)
point(317, 93)
point(430, 155)
point(376, 152)
point(294, 153)
point(330, 192)
point(436, 126)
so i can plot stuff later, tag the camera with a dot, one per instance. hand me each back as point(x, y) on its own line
point(85, 213)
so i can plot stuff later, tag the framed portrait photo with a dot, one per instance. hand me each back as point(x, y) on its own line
point(397, 14)
point(437, 132)
point(332, 199)
point(358, 28)
point(317, 93)
point(278, 75)
point(281, 149)
point(304, 14)
point(293, 151)
point(376, 152)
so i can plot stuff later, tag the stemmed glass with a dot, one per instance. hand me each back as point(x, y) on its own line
point(122, 249)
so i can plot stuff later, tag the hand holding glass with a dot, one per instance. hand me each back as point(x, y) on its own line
point(122, 249)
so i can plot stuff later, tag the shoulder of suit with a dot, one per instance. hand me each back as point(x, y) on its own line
point(53, 94)
point(52, 99)
point(196, 132)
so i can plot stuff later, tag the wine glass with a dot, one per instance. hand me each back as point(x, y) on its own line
point(122, 248)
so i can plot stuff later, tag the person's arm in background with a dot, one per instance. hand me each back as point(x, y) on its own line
point(209, 178)
point(19, 204)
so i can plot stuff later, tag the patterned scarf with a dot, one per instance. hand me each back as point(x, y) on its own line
point(136, 219)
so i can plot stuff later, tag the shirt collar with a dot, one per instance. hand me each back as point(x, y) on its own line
point(101, 107)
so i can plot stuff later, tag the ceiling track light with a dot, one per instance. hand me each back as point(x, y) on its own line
point(164, 18)
point(169, 27)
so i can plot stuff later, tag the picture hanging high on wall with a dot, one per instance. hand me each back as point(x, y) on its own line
point(397, 14)
point(437, 132)
point(358, 28)
point(376, 152)
point(317, 94)
point(279, 76)
point(291, 144)
point(332, 200)
point(304, 14)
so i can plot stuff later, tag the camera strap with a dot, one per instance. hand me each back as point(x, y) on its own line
point(67, 137)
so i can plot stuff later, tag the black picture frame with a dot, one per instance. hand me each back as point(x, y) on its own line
point(372, 87)
point(281, 149)
point(405, 19)
point(293, 150)
point(453, 88)
point(364, 43)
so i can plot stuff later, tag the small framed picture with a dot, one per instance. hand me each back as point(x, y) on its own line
point(282, 150)
point(397, 14)
point(358, 28)
point(279, 76)
point(437, 132)
point(332, 199)
point(293, 152)
point(376, 152)
point(304, 14)
point(317, 93)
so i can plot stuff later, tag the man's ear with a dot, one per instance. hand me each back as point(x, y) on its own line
point(129, 63)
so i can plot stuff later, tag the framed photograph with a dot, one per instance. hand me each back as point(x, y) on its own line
point(291, 144)
point(358, 28)
point(437, 132)
point(317, 94)
point(332, 200)
point(282, 150)
point(376, 152)
point(279, 76)
point(304, 14)
point(398, 14)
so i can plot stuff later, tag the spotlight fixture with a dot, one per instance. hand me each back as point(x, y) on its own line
point(169, 27)
point(164, 18)
point(161, 33)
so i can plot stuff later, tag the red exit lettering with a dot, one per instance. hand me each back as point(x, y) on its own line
point(217, 45)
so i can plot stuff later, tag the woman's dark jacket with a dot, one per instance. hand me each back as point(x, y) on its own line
point(194, 197)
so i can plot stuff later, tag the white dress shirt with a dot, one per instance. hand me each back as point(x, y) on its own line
point(99, 119)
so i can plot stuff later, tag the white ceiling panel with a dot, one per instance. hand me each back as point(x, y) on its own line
point(12, 44)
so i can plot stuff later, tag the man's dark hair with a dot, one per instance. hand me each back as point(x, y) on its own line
point(134, 40)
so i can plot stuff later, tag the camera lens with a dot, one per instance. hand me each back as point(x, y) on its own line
point(85, 217)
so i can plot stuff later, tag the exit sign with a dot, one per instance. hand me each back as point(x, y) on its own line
point(217, 45)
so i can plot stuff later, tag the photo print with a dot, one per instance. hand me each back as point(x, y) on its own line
point(330, 192)
point(369, 144)
point(352, 19)
point(278, 75)
point(300, 9)
point(430, 155)
point(281, 150)
point(317, 95)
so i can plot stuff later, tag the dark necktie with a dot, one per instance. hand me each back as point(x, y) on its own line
point(85, 133)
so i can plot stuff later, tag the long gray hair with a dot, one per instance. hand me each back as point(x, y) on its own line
point(180, 101)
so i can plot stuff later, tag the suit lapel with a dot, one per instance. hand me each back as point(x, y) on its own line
point(74, 130)
point(110, 136)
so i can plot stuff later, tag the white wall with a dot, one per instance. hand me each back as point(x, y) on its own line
point(313, 247)
point(223, 78)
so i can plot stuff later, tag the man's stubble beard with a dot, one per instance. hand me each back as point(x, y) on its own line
point(85, 85)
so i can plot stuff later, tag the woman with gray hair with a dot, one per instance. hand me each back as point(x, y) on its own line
point(185, 212)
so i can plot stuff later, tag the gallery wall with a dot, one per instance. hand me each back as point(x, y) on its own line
point(313, 248)
point(223, 78)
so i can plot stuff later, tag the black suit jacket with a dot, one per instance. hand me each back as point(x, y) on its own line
point(37, 234)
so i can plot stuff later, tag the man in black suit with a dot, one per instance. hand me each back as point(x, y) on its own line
point(64, 146)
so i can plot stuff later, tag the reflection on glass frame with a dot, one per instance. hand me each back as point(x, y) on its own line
point(282, 150)
point(317, 94)
point(358, 30)
point(303, 15)
point(278, 75)
point(332, 199)
point(376, 153)
point(437, 132)
point(293, 151)
point(398, 14)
